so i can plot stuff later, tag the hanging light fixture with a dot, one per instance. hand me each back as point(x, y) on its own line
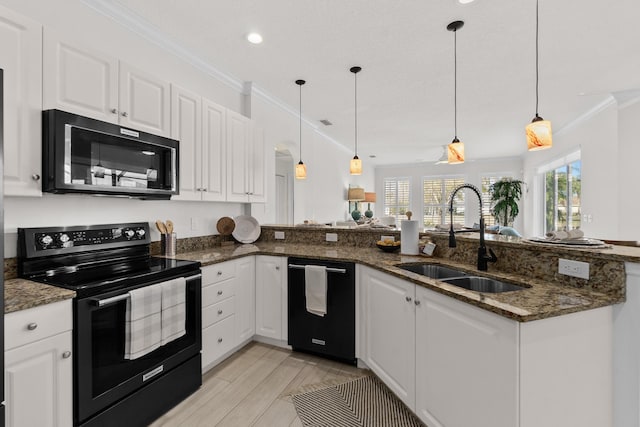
point(301, 168)
point(355, 167)
point(539, 130)
point(455, 150)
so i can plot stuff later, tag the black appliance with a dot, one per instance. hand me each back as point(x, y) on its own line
point(334, 334)
point(1, 245)
point(102, 263)
point(83, 155)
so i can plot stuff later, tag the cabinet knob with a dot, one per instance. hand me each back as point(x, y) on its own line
point(32, 326)
point(35, 177)
point(125, 114)
point(219, 273)
point(66, 354)
point(219, 340)
point(204, 189)
point(114, 111)
point(219, 312)
point(277, 267)
point(417, 302)
point(408, 299)
point(219, 292)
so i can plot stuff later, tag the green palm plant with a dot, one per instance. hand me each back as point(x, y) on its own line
point(505, 195)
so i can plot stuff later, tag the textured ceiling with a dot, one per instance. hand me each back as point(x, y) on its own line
point(588, 49)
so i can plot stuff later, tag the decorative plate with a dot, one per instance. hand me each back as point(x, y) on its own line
point(247, 229)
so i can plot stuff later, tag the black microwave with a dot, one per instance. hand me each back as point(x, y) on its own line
point(83, 155)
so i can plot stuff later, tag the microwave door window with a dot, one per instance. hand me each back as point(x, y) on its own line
point(102, 161)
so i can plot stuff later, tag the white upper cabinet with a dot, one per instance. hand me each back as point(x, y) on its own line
point(79, 81)
point(245, 160)
point(21, 60)
point(199, 125)
point(89, 83)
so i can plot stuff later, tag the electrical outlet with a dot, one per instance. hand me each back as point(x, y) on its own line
point(279, 235)
point(332, 237)
point(573, 268)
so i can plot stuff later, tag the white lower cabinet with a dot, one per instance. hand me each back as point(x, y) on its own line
point(38, 366)
point(465, 358)
point(456, 365)
point(389, 331)
point(271, 297)
point(245, 299)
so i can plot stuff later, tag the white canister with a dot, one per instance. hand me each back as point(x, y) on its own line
point(409, 237)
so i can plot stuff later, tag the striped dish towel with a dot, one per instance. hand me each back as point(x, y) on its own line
point(143, 328)
point(173, 309)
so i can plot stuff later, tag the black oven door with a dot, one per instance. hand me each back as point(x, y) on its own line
point(102, 376)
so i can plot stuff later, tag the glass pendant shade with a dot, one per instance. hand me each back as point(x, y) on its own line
point(455, 152)
point(539, 134)
point(355, 167)
point(301, 170)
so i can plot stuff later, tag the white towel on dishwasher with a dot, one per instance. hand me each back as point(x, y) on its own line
point(174, 312)
point(315, 280)
point(143, 321)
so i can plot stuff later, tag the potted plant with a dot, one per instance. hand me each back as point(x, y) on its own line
point(505, 195)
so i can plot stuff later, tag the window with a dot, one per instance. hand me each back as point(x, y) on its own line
point(487, 181)
point(562, 187)
point(436, 191)
point(397, 197)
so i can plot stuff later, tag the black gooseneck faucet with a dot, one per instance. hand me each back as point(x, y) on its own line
point(483, 258)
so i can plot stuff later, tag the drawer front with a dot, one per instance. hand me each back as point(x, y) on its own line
point(215, 293)
point(33, 324)
point(216, 312)
point(217, 339)
point(218, 272)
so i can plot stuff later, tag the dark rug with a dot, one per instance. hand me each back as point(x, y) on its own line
point(363, 402)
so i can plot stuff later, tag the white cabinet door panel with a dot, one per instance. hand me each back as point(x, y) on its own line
point(144, 101)
point(245, 299)
point(213, 151)
point(186, 127)
point(257, 169)
point(270, 293)
point(237, 157)
point(21, 60)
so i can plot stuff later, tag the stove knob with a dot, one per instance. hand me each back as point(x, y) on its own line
point(140, 232)
point(64, 238)
point(128, 233)
point(46, 240)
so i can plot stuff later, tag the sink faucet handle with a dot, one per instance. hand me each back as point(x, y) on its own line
point(492, 256)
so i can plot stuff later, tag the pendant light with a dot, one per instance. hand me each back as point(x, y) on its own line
point(455, 150)
point(301, 168)
point(539, 130)
point(355, 167)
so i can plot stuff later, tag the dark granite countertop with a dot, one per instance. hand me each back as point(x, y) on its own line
point(540, 300)
point(20, 294)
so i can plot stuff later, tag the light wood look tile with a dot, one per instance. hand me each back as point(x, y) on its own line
point(253, 387)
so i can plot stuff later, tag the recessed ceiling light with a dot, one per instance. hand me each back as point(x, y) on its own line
point(254, 38)
point(465, 1)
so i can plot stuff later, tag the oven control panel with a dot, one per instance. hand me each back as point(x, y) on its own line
point(45, 241)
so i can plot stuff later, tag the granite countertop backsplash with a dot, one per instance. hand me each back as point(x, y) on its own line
point(541, 299)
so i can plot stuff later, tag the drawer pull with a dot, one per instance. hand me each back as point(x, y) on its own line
point(408, 299)
point(219, 340)
point(32, 326)
point(219, 292)
point(66, 354)
point(219, 312)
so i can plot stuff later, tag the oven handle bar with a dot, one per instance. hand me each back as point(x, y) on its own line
point(329, 269)
point(122, 297)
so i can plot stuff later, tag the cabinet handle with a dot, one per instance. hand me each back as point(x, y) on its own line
point(35, 177)
point(114, 111)
point(219, 312)
point(204, 189)
point(219, 340)
point(417, 302)
point(219, 292)
point(66, 354)
point(219, 273)
point(32, 326)
point(408, 299)
point(277, 267)
point(125, 114)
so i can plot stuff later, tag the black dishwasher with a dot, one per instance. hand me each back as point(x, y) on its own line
point(332, 335)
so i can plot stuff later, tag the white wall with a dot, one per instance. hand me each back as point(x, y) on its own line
point(472, 171)
point(596, 136)
point(628, 172)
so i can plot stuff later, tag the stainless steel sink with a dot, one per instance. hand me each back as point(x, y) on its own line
point(433, 271)
point(483, 284)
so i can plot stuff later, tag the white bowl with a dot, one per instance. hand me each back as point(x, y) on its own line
point(247, 229)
